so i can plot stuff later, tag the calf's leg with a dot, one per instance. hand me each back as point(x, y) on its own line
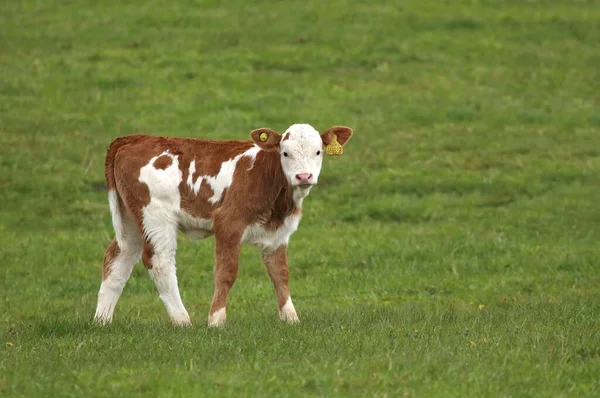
point(228, 240)
point(277, 268)
point(158, 256)
point(119, 259)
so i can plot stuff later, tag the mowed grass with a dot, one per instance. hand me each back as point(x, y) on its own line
point(454, 250)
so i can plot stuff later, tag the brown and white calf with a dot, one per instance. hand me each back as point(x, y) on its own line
point(240, 191)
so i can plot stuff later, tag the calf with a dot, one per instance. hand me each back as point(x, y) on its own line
point(240, 191)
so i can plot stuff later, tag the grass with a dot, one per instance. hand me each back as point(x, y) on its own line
point(452, 251)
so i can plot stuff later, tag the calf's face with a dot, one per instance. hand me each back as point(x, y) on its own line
point(301, 150)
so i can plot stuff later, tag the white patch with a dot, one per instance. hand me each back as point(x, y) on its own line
point(299, 193)
point(217, 318)
point(190, 180)
point(159, 216)
point(301, 147)
point(270, 240)
point(160, 222)
point(287, 313)
point(115, 212)
point(163, 184)
point(224, 177)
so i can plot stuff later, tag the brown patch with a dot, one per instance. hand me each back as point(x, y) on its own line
point(283, 207)
point(208, 155)
point(262, 189)
point(286, 136)
point(272, 142)
point(278, 270)
point(274, 197)
point(109, 256)
point(113, 148)
point(163, 162)
point(147, 254)
point(133, 193)
point(197, 205)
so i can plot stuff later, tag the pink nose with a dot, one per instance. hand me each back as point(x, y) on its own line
point(304, 177)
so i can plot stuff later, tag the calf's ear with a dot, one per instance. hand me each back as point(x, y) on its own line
point(266, 138)
point(341, 133)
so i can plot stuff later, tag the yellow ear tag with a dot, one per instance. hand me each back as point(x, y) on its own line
point(334, 148)
point(264, 137)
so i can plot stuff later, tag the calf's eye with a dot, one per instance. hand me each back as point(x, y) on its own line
point(285, 154)
point(318, 153)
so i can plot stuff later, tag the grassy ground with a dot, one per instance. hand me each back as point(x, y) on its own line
point(452, 251)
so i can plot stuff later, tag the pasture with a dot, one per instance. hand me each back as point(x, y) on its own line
point(453, 250)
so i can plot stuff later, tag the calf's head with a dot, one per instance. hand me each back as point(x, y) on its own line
point(301, 149)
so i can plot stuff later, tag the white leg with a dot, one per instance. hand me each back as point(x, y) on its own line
point(118, 264)
point(160, 262)
point(113, 285)
point(163, 273)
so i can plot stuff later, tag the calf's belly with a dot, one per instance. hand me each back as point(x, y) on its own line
point(194, 227)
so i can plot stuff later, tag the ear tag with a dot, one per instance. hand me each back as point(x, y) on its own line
point(264, 136)
point(334, 148)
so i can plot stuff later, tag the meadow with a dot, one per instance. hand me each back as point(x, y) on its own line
point(452, 251)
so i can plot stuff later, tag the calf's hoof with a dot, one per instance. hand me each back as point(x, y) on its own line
point(217, 318)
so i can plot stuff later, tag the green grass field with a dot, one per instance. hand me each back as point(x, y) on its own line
point(454, 250)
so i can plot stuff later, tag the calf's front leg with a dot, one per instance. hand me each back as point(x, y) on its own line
point(228, 242)
point(277, 268)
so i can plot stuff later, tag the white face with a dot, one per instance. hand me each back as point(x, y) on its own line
point(301, 151)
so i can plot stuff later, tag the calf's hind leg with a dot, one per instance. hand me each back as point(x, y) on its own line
point(119, 259)
point(159, 257)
